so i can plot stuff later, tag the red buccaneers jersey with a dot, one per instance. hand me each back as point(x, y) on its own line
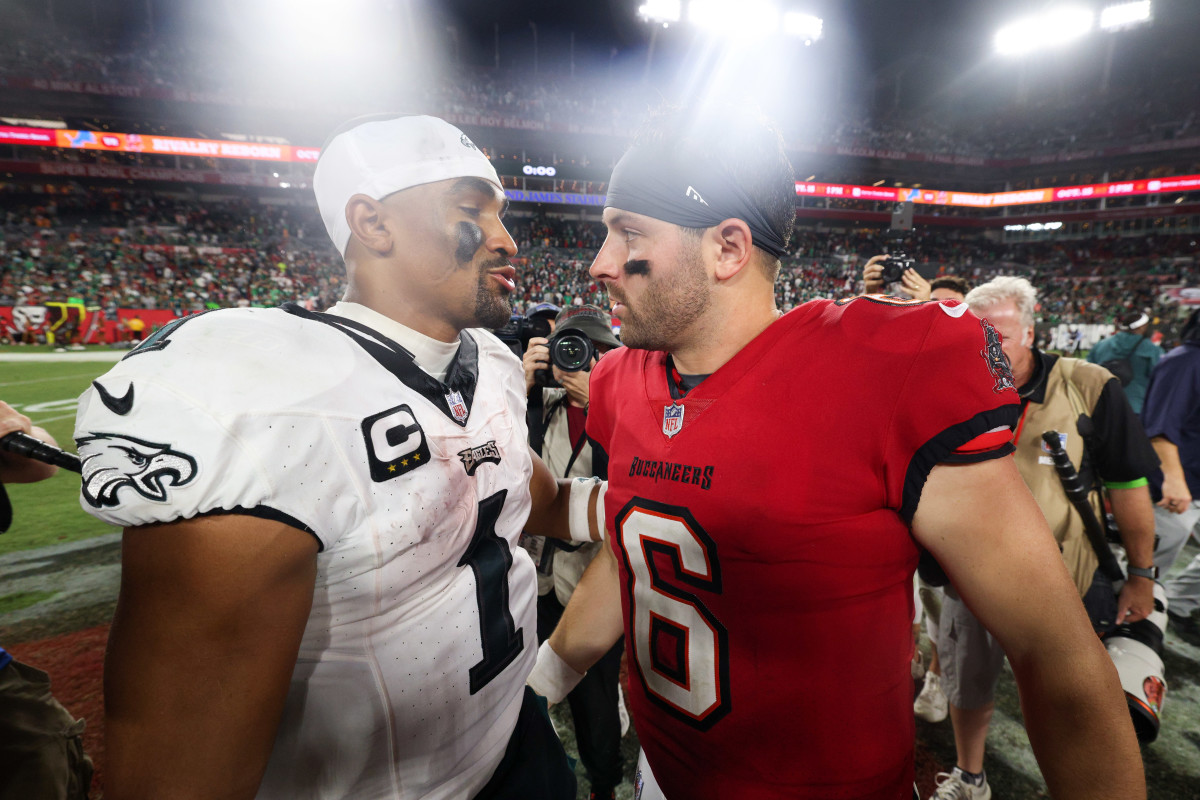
point(761, 527)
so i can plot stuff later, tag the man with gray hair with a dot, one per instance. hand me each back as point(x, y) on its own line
point(1102, 436)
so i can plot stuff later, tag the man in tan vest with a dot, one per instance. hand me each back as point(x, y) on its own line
point(1056, 394)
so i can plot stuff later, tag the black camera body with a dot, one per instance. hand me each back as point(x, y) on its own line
point(895, 265)
point(571, 350)
point(520, 329)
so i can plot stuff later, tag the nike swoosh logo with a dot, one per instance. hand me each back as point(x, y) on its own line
point(118, 405)
point(954, 311)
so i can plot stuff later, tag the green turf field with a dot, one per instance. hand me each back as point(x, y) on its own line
point(48, 512)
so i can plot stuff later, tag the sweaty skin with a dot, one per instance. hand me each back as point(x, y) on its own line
point(470, 239)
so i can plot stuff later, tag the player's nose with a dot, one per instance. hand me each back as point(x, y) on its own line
point(607, 264)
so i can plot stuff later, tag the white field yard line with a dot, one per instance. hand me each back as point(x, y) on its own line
point(99, 356)
point(40, 422)
point(31, 381)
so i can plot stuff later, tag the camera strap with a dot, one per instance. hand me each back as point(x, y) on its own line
point(575, 450)
point(536, 419)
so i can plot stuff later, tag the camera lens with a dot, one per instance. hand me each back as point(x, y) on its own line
point(571, 352)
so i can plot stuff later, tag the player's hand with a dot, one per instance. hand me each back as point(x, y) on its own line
point(576, 384)
point(537, 356)
point(1136, 600)
point(1176, 497)
point(15, 468)
point(915, 286)
point(873, 275)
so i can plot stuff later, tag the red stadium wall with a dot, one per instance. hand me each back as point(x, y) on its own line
point(109, 330)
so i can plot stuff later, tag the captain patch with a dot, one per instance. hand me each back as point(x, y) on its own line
point(395, 443)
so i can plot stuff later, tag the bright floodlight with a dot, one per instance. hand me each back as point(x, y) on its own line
point(1125, 15)
point(660, 10)
point(805, 26)
point(1051, 29)
point(741, 17)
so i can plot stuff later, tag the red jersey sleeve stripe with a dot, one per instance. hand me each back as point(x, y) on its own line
point(991, 440)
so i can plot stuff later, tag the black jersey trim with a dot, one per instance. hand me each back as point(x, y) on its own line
point(940, 450)
point(264, 512)
point(462, 377)
point(159, 339)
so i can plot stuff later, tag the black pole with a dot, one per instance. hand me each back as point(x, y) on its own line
point(25, 445)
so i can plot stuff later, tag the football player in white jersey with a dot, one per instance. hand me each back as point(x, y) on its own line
point(321, 595)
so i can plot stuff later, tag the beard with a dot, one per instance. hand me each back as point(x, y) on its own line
point(669, 305)
point(492, 307)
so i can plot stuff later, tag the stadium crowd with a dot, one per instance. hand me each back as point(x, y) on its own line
point(138, 249)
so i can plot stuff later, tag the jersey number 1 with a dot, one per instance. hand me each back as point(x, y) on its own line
point(489, 558)
point(680, 648)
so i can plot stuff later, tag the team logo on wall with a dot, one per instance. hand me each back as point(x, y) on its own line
point(672, 419)
point(112, 462)
point(29, 318)
point(993, 354)
point(458, 406)
point(395, 443)
point(472, 457)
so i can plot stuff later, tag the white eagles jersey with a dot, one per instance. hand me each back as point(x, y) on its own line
point(412, 667)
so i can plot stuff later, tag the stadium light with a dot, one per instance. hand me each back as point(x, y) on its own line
point(804, 26)
point(1054, 28)
point(745, 16)
point(734, 17)
point(660, 10)
point(1125, 15)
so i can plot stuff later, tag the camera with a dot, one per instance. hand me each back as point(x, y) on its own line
point(895, 265)
point(1136, 651)
point(520, 329)
point(571, 350)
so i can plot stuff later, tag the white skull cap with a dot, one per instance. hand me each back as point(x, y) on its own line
point(383, 156)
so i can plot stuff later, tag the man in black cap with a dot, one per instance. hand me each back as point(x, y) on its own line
point(771, 478)
point(557, 432)
point(1129, 355)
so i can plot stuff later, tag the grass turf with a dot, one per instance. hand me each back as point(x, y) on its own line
point(48, 513)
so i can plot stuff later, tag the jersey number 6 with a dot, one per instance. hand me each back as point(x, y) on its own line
point(680, 649)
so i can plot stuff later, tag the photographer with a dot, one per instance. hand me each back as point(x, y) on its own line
point(1101, 433)
point(560, 430)
point(875, 279)
point(41, 744)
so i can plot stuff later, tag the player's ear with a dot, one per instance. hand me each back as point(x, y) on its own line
point(735, 248)
point(365, 217)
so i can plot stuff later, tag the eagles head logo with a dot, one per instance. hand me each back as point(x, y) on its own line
point(993, 354)
point(112, 462)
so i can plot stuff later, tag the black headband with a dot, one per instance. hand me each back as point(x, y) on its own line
point(666, 185)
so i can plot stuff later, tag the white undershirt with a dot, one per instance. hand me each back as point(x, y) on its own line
point(431, 355)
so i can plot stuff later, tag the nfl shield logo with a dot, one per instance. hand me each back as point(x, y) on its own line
point(458, 406)
point(672, 419)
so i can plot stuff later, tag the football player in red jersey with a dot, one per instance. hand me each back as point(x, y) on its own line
point(772, 478)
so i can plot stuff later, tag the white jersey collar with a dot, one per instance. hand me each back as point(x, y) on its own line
point(431, 355)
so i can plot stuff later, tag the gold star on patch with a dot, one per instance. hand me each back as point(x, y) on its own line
point(391, 467)
point(404, 462)
point(417, 457)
